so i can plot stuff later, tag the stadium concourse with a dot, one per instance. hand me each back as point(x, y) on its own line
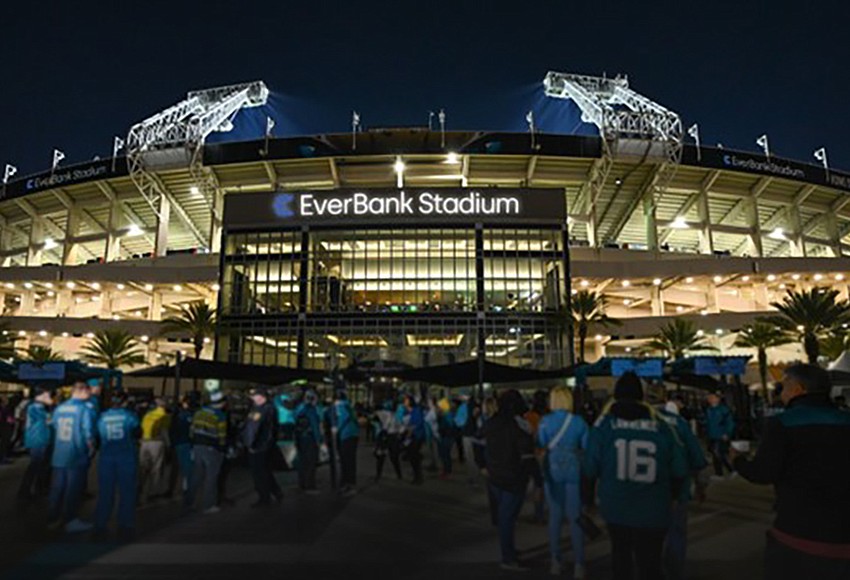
point(439, 530)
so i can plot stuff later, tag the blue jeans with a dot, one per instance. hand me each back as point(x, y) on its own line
point(66, 492)
point(183, 452)
point(564, 503)
point(508, 506)
point(116, 475)
point(676, 543)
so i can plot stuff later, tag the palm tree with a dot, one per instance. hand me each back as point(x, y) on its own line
point(679, 337)
point(114, 349)
point(588, 308)
point(762, 336)
point(811, 315)
point(42, 354)
point(834, 344)
point(198, 320)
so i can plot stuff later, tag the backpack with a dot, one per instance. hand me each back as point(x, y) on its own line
point(562, 461)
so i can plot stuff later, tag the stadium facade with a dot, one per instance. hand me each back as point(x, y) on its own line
point(416, 246)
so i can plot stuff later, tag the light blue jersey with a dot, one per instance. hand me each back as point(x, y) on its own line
point(570, 445)
point(74, 434)
point(37, 434)
point(118, 431)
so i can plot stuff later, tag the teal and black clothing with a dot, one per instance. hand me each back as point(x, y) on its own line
point(348, 431)
point(805, 455)
point(259, 437)
point(119, 430)
point(37, 432)
point(694, 455)
point(640, 469)
point(308, 438)
point(719, 429)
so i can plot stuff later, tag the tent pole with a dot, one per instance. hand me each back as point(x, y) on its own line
point(177, 375)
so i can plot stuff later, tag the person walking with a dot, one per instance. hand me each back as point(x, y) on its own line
point(414, 437)
point(308, 439)
point(347, 433)
point(562, 436)
point(155, 427)
point(640, 470)
point(180, 437)
point(539, 408)
point(466, 419)
point(510, 459)
point(676, 541)
point(719, 429)
point(37, 441)
point(73, 448)
point(804, 454)
point(259, 437)
point(209, 444)
point(118, 429)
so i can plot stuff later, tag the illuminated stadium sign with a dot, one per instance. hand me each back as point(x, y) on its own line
point(408, 205)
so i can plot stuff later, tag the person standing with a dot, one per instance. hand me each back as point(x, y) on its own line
point(676, 542)
point(180, 437)
point(155, 426)
point(563, 436)
point(37, 440)
point(804, 454)
point(347, 433)
point(539, 409)
point(118, 429)
point(73, 448)
point(7, 425)
point(414, 437)
point(308, 438)
point(719, 429)
point(640, 470)
point(510, 460)
point(209, 444)
point(259, 436)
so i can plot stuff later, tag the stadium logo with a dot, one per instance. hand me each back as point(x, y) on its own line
point(282, 205)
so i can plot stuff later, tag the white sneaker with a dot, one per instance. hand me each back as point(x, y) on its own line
point(578, 572)
point(77, 526)
point(213, 510)
point(555, 568)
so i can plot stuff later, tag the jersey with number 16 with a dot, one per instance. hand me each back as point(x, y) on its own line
point(635, 462)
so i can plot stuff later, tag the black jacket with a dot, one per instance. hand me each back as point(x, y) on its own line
point(509, 452)
point(260, 430)
point(805, 454)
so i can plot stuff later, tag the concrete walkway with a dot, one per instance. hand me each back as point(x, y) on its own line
point(389, 529)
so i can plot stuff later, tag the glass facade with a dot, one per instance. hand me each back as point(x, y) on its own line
point(314, 297)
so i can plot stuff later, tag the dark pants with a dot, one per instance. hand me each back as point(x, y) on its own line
point(414, 455)
point(445, 448)
point(720, 456)
point(508, 506)
point(782, 562)
point(66, 492)
point(116, 476)
point(264, 480)
point(636, 549)
point(308, 459)
point(37, 473)
point(391, 450)
point(348, 462)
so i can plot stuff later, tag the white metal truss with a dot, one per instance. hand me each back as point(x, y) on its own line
point(623, 118)
point(175, 137)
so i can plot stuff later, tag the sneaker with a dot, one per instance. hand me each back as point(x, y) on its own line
point(77, 526)
point(578, 572)
point(514, 567)
point(210, 511)
point(555, 568)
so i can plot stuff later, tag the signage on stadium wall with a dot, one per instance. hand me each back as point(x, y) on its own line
point(63, 176)
point(393, 206)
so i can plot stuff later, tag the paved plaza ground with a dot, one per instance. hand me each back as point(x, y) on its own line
point(391, 529)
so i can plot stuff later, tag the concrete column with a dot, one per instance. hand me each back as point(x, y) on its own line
point(831, 224)
point(70, 249)
point(155, 306)
point(761, 301)
point(755, 227)
point(706, 237)
point(591, 227)
point(106, 304)
point(215, 221)
point(797, 244)
point(64, 302)
point(113, 239)
point(2, 302)
point(162, 222)
point(35, 251)
point(711, 301)
point(27, 303)
point(656, 300)
point(650, 222)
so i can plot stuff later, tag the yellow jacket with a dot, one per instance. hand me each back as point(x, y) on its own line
point(155, 425)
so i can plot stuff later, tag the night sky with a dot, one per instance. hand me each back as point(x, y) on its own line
point(74, 75)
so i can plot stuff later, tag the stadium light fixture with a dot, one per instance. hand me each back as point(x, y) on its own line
point(818, 277)
point(626, 283)
point(452, 158)
point(50, 244)
point(133, 231)
point(656, 282)
point(777, 234)
point(718, 279)
point(679, 223)
point(839, 277)
point(195, 190)
point(795, 277)
point(689, 280)
point(28, 285)
point(70, 285)
point(149, 287)
point(771, 277)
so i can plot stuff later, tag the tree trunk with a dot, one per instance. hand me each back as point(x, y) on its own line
point(582, 338)
point(762, 358)
point(812, 348)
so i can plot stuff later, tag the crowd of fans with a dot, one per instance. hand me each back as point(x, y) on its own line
point(634, 464)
